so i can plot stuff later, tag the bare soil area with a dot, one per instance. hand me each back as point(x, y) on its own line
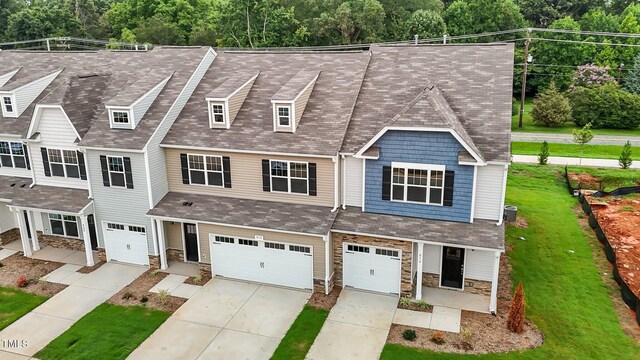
point(584, 181)
point(322, 301)
point(480, 333)
point(90, 269)
point(16, 265)
point(137, 293)
point(198, 280)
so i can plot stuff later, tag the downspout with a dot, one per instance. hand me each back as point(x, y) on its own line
point(86, 170)
point(344, 183)
point(504, 193)
point(336, 182)
point(326, 239)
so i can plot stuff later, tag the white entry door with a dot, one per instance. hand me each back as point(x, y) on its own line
point(372, 268)
point(126, 243)
point(262, 261)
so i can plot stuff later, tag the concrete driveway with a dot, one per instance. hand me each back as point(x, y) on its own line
point(56, 315)
point(226, 320)
point(357, 327)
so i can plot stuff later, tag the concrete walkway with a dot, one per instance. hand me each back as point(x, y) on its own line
point(357, 327)
point(559, 160)
point(56, 315)
point(441, 318)
point(568, 138)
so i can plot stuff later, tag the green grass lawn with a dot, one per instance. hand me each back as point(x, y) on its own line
point(572, 150)
point(107, 332)
point(297, 342)
point(566, 298)
point(15, 303)
point(529, 126)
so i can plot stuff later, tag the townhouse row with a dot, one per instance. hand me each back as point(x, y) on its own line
point(383, 170)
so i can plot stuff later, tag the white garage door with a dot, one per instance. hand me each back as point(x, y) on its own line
point(372, 268)
point(262, 261)
point(126, 243)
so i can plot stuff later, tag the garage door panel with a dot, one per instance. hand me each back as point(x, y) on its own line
point(371, 268)
point(124, 245)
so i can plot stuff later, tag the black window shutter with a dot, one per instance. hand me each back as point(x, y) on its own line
point(226, 171)
point(448, 188)
point(386, 183)
point(81, 166)
point(45, 161)
point(127, 172)
point(185, 168)
point(26, 156)
point(313, 180)
point(266, 176)
point(105, 171)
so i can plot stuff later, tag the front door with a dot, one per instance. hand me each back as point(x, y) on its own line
point(452, 267)
point(92, 232)
point(191, 242)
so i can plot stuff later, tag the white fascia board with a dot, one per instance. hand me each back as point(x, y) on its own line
point(4, 78)
point(418, 166)
point(137, 151)
point(423, 129)
point(186, 147)
point(55, 74)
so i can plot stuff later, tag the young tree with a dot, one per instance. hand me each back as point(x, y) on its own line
point(543, 155)
point(632, 77)
point(426, 24)
point(551, 108)
point(582, 137)
point(515, 319)
point(625, 160)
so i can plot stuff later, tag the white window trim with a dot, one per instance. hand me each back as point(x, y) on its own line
point(288, 177)
point(206, 178)
point(292, 111)
point(12, 97)
point(405, 185)
point(63, 163)
point(288, 107)
point(64, 228)
point(115, 125)
point(12, 155)
point(225, 113)
point(123, 172)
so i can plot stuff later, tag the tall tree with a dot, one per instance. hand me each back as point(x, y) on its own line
point(36, 22)
point(398, 12)
point(351, 22)
point(159, 30)
point(632, 77)
point(543, 12)
point(8, 7)
point(478, 16)
point(426, 24)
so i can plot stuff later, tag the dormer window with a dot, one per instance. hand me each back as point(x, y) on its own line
point(120, 117)
point(7, 104)
point(217, 113)
point(284, 116)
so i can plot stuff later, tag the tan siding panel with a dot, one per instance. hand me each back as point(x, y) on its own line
point(173, 232)
point(316, 242)
point(301, 103)
point(235, 102)
point(246, 178)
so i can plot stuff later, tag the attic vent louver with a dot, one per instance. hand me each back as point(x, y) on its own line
point(12, 185)
point(23, 185)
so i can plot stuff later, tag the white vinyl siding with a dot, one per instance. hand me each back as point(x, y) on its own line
point(141, 107)
point(489, 186)
point(7, 219)
point(479, 265)
point(431, 259)
point(353, 193)
point(25, 95)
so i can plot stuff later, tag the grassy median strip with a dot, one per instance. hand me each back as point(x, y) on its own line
point(107, 332)
point(15, 303)
point(298, 340)
point(565, 295)
point(572, 150)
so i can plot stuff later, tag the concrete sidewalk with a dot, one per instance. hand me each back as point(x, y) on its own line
point(559, 160)
point(568, 138)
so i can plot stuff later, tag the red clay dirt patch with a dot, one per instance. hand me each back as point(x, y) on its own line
point(16, 265)
point(584, 180)
point(619, 218)
point(137, 293)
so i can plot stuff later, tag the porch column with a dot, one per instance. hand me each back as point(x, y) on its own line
point(419, 275)
point(34, 231)
point(24, 237)
point(162, 246)
point(493, 303)
point(86, 236)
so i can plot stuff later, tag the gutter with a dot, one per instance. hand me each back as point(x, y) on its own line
point(504, 193)
point(336, 182)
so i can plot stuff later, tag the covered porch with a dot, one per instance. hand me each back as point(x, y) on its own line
point(56, 224)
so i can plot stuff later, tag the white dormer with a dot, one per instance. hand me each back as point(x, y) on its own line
point(128, 107)
point(291, 100)
point(17, 95)
point(225, 101)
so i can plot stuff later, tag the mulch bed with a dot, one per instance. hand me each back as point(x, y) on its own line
point(135, 293)
point(322, 301)
point(16, 265)
point(198, 280)
point(90, 269)
point(480, 333)
point(415, 306)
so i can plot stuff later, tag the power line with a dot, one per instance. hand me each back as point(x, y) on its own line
point(586, 42)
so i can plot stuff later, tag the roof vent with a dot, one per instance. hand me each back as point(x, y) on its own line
point(12, 185)
point(23, 185)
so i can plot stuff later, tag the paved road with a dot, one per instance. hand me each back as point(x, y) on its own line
point(568, 138)
point(559, 160)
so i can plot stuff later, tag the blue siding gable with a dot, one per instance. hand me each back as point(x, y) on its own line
point(423, 148)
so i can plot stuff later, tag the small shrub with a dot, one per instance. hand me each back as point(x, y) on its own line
point(627, 208)
point(582, 137)
point(409, 335)
point(405, 302)
point(144, 299)
point(197, 279)
point(422, 305)
point(438, 337)
point(543, 155)
point(625, 156)
point(128, 296)
point(551, 108)
point(515, 319)
point(606, 106)
point(163, 295)
point(43, 284)
point(466, 333)
point(154, 272)
point(22, 281)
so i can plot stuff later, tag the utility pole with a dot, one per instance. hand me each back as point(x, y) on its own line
point(524, 75)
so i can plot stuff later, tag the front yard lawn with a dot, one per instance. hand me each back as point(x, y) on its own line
point(107, 332)
point(15, 303)
point(298, 340)
point(565, 295)
point(572, 150)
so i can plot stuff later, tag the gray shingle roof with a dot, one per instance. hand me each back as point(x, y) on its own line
point(482, 233)
point(51, 198)
point(475, 80)
point(323, 123)
point(295, 85)
point(143, 85)
point(232, 84)
point(9, 184)
point(308, 219)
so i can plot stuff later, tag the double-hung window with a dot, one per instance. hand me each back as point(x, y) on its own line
point(64, 163)
point(419, 184)
point(205, 170)
point(12, 154)
point(289, 176)
point(7, 103)
point(116, 171)
point(284, 115)
point(64, 225)
point(217, 113)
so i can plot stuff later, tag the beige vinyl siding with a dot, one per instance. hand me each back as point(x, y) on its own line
point(479, 265)
point(173, 232)
point(314, 241)
point(353, 193)
point(431, 258)
point(246, 178)
point(301, 102)
point(235, 102)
